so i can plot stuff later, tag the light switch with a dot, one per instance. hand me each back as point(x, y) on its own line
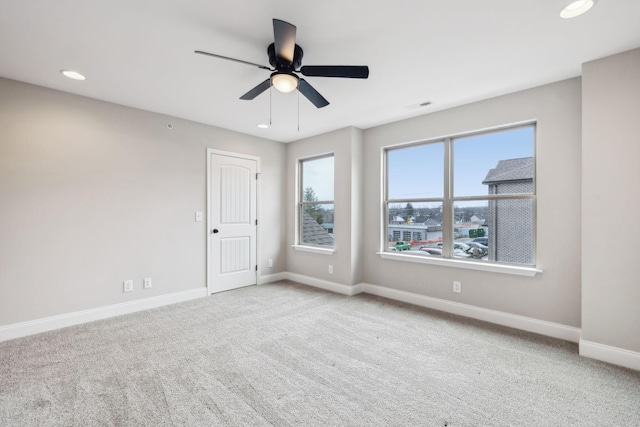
point(198, 216)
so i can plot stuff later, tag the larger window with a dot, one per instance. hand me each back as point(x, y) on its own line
point(315, 205)
point(467, 197)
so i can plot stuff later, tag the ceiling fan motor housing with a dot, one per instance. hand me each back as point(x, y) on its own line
point(282, 64)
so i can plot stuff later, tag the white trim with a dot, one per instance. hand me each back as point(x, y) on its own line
point(315, 250)
point(555, 330)
point(324, 284)
point(232, 154)
point(550, 329)
point(31, 327)
point(445, 262)
point(606, 353)
point(542, 327)
point(270, 278)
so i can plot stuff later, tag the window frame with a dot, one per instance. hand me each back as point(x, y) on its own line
point(300, 204)
point(448, 201)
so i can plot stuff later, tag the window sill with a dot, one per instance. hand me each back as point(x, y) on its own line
point(494, 268)
point(313, 249)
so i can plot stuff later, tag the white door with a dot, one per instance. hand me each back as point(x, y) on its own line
point(232, 223)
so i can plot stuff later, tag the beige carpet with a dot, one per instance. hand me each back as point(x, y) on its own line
point(289, 355)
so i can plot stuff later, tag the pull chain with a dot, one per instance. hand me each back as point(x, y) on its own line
point(270, 104)
point(298, 111)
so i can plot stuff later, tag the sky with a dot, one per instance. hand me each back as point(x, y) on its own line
point(418, 171)
point(318, 174)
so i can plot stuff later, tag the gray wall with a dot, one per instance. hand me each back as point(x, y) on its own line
point(346, 144)
point(93, 193)
point(611, 201)
point(552, 296)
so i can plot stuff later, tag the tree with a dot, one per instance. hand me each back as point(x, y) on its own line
point(314, 210)
point(408, 211)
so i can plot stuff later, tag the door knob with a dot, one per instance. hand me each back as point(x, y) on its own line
point(214, 231)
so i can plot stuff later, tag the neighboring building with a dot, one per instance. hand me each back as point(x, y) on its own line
point(510, 221)
point(396, 220)
point(314, 233)
point(475, 220)
point(433, 225)
point(407, 232)
point(415, 232)
point(328, 226)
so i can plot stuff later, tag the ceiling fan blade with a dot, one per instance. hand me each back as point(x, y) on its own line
point(284, 36)
point(348, 71)
point(257, 90)
point(233, 59)
point(311, 94)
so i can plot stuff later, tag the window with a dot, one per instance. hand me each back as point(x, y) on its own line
point(315, 208)
point(466, 197)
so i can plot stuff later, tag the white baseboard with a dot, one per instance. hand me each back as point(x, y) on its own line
point(270, 278)
point(602, 352)
point(324, 284)
point(529, 324)
point(606, 353)
point(31, 327)
point(542, 327)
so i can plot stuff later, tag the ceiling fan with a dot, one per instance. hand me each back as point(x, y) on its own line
point(285, 56)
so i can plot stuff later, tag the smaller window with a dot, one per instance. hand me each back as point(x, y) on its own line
point(315, 209)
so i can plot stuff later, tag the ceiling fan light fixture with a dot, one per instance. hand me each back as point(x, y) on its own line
point(284, 82)
point(576, 8)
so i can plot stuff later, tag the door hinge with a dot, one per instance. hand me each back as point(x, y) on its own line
point(257, 175)
point(256, 222)
point(256, 268)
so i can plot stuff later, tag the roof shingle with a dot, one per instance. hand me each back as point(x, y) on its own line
point(511, 170)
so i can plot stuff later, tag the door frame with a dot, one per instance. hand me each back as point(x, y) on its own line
point(210, 152)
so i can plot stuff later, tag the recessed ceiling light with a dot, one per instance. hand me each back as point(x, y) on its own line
point(420, 105)
point(73, 75)
point(263, 126)
point(576, 7)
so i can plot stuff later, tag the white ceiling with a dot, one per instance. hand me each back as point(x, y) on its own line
point(139, 53)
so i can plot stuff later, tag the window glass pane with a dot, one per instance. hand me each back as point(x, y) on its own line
point(503, 227)
point(412, 226)
point(470, 232)
point(416, 172)
point(317, 179)
point(494, 163)
point(317, 224)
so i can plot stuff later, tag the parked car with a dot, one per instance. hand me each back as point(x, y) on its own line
point(463, 246)
point(431, 250)
point(483, 248)
point(402, 246)
point(481, 240)
point(459, 253)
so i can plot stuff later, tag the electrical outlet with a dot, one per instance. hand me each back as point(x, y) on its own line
point(330, 269)
point(147, 282)
point(457, 287)
point(270, 263)
point(128, 286)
